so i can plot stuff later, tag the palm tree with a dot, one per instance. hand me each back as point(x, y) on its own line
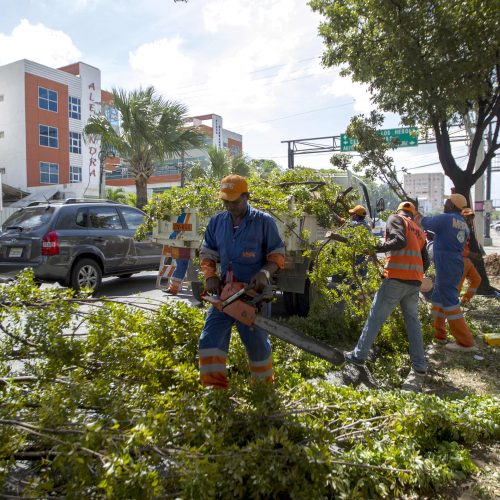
point(151, 129)
point(119, 195)
point(219, 162)
point(240, 165)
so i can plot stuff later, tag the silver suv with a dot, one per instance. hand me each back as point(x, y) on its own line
point(76, 242)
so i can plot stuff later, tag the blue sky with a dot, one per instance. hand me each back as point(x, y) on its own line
point(254, 62)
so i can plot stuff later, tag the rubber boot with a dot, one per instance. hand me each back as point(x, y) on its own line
point(262, 370)
point(439, 323)
point(213, 372)
point(174, 286)
point(459, 328)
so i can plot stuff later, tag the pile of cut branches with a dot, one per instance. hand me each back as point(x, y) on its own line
point(101, 399)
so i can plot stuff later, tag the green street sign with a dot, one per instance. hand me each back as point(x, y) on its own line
point(408, 136)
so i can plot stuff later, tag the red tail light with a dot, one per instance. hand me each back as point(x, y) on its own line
point(50, 244)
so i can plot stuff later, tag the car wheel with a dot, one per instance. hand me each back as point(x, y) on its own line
point(126, 276)
point(86, 274)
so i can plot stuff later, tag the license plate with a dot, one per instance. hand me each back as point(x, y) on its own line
point(15, 252)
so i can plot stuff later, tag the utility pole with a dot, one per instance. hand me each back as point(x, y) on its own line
point(479, 197)
point(488, 203)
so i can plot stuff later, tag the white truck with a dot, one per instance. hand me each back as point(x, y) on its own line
point(182, 235)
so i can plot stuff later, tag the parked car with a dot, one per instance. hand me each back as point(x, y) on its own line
point(496, 225)
point(76, 242)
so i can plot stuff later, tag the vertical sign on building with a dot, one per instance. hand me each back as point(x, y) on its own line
point(91, 106)
point(217, 131)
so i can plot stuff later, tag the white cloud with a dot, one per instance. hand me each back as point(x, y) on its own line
point(343, 86)
point(163, 61)
point(43, 45)
point(239, 74)
point(221, 13)
point(253, 62)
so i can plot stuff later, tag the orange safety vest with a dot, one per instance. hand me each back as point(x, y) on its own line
point(406, 264)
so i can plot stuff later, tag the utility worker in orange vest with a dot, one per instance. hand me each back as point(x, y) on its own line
point(403, 273)
point(470, 272)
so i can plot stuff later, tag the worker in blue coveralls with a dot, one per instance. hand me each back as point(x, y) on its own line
point(250, 250)
point(450, 235)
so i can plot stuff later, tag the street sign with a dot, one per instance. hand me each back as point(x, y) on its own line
point(408, 136)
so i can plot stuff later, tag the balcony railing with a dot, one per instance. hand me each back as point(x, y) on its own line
point(123, 172)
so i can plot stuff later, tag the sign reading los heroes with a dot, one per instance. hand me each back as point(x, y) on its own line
point(406, 137)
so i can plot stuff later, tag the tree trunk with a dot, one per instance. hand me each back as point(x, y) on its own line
point(141, 185)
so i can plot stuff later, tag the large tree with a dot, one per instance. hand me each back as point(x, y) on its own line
point(151, 129)
point(434, 62)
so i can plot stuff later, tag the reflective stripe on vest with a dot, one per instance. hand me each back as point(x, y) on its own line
point(406, 264)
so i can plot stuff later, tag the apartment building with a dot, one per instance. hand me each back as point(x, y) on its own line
point(42, 114)
point(168, 173)
point(428, 188)
point(42, 151)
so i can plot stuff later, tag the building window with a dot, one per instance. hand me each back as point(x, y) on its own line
point(75, 143)
point(48, 136)
point(75, 174)
point(2, 134)
point(235, 151)
point(1, 97)
point(75, 108)
point(47, 99)
point(49, 173)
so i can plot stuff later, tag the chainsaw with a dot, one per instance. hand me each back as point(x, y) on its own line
point(242, 303)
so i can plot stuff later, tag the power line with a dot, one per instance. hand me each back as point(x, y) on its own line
point(296, 114)
point(429, 164)
point(281, 65)
point(204, 84)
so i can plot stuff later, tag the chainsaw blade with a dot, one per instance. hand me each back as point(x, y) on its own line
point(300, 340)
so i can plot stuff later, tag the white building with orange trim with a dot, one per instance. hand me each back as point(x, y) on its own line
point(42, 150)
point(42, 114)
point(167, 173)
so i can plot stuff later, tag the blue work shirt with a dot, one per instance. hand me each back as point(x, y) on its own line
point(244, 250)
point(450, 231)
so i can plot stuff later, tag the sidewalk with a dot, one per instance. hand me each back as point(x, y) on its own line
point(495, 248)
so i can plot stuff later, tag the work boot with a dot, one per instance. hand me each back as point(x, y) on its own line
point(439, 340)
point(414, 381)
point(350, 358)
point(174, 286)
point(453, 346)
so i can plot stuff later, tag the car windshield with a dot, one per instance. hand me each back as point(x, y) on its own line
point(28, 218)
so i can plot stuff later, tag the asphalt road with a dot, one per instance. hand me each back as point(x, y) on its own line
point(142, 286)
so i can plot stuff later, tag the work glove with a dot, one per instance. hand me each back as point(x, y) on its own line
point(259, 281)
point(212, 285)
